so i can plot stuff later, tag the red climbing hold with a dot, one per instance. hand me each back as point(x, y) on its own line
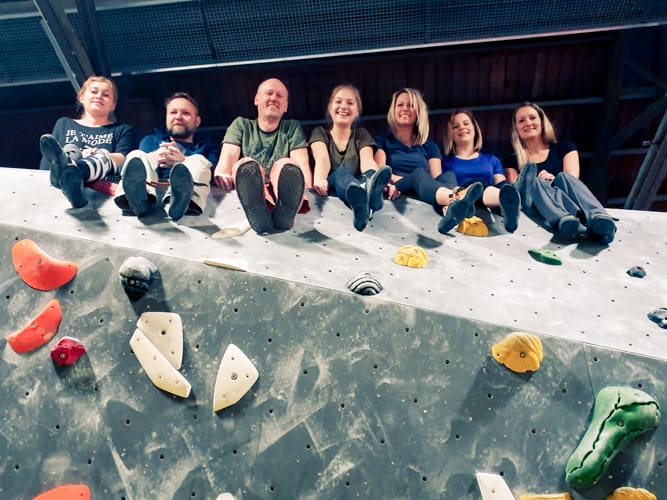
point(39, 331)
point(66, 492)
point(67, 351)
point(39, 270)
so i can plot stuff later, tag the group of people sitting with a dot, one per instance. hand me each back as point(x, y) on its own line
point(267, 160)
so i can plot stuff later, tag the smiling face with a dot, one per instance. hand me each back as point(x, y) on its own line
point(271, 99)
point(97, 97)
point(463, 129)
point(405, 113)
point(528, 123)
point(182, 119)
point(344, 107)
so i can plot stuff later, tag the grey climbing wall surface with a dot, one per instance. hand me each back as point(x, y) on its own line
point(358, 397)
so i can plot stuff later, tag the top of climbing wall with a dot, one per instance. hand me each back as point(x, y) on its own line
point(590, 298)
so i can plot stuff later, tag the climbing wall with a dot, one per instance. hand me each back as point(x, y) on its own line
point(391, 396)
point(356, 397)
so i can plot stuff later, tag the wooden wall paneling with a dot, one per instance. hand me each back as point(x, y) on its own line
point(427, 81)
point(459, 82)
point(537, 90)
point(515, 72)
point(497, 80)
point(568, 71)
point(484, 80)
point(552, 74)
point(471, 81)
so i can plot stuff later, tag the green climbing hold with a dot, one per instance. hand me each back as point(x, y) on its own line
point(619, 415)
point(545, 255)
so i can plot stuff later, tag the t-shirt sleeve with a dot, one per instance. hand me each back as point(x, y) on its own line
point(432, 150)
point(380, 142)
point(126, 140)
point(234, 133)
point(510, 162)
point(318, 134)
point(364, 138)
point(496, 165)
point(565, 146)
point(297, 137)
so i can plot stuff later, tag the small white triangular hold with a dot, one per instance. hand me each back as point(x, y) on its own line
point(236, 264)
point(157, 367)
point(493, 487)
point(236, 376)
point(165, 331)
point(225, 496)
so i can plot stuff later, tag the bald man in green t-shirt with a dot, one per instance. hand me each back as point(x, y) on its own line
point(266, 160)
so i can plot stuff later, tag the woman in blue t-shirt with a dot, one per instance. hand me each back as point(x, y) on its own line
point(549, 178)
point(463, 144)
point(416, 161)
point(343, 155)
point(87, 148)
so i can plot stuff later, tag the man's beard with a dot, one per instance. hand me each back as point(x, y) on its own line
point(180, 132)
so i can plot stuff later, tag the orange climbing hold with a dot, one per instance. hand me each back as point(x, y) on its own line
point(39, 270)
point(66, 492)
point(39, 331)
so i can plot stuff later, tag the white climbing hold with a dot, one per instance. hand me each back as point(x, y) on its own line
point(158, 368)
point(493, 487)
point(236, 376)
point(165, 331)
point(235, 264)
point(225, 496)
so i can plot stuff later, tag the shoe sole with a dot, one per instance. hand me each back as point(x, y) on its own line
point(376, 189)
point(569, 228)
point(71, 183)
point(134, 186)
point(250, 190)
point(182, 187)
point(604, 228)
point(456, 212)
point(53, 152)
point(357, 197)
point(290, 195)
point(509, 207)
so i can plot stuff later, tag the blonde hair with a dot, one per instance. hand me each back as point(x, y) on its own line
point(97, 79)
point(351, 88)
point(548, 134)
point(449, 144)
point(421, 127)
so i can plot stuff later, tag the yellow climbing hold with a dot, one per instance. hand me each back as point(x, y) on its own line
point(519, 351)
point(411, 256)
point(474, 226)
point(548, 496)
point(627, 493)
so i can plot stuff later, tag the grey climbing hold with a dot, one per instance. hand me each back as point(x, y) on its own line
point(636, 272)
point(137, 275)
point(364, 284)
point(659, 316)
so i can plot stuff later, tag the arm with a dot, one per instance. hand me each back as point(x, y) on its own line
point(571, 163)
point(511, 174)
point(435, 167)
point(222, 175)
point(300, 157)
point(498, 178)
point(366, 160)
point(322, 167)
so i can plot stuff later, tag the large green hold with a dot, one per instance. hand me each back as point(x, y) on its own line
point(619, 414)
